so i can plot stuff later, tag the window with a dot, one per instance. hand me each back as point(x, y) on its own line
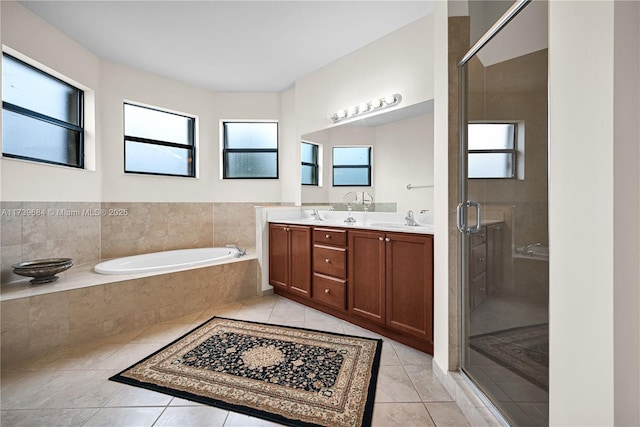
point(250, 150)
point(492, 150)
point(310, 166)
point(351, 166)
point(158, 142)
point(42, 116)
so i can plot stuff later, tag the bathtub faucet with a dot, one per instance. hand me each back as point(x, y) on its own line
point(529, 249)
point(239, 249)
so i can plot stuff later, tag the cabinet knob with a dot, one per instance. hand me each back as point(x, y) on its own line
point(387, 239)
point(327, 260)
point(381, 238)
point(481, 259)
point(327, 291)
point(328, 236)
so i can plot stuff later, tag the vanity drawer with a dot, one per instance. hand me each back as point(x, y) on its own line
point(478, 257)
point(330, 236)
point(330, 261)
point(478, 238)
point(330, 291)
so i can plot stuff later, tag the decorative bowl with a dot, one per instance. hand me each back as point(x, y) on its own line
point(42, 270)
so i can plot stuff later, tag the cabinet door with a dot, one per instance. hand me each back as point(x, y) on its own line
point(365, 271)
point(409, 276)
point(278, 255)
point(300, 260)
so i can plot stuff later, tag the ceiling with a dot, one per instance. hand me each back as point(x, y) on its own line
point(246, 46)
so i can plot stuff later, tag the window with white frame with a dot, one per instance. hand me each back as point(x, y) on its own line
point(493, 150)
point(310, 163)
point(42, 116)
point(250, 150)
point(158, 142)
point(352, 166)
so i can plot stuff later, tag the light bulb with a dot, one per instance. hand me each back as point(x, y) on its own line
point(376, 103)
point(390, 99)
point(352, 111)
point(364, 107)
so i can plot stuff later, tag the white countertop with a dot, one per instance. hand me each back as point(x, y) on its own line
point(382, 221)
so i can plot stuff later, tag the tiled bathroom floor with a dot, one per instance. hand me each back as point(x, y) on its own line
point(71, 388)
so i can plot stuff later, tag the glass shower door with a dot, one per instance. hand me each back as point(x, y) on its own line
point(502, 215)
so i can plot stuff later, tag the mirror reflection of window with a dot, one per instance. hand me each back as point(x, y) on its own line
point(310, 165)
point(352, 166)
point(492, 150)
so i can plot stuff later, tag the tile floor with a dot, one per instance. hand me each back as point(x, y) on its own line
point(70, 388)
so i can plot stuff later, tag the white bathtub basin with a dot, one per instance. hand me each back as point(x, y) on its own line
point(167, 260)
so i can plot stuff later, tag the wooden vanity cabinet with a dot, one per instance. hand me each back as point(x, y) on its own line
point(367, 275)
point(409, 284)
point(391, 280)
point(486, 263)
point(290, 258)
point(329, 280)
point(381, 281)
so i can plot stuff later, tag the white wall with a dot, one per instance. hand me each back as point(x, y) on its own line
point(27, 181)
point(120, 83)
point(403, 154)
point(113, 83)
point(581, 219)
point(441, 254)
point(401, 62)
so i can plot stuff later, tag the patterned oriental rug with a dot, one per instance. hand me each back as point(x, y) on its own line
point(523, 350)
point(292, 376)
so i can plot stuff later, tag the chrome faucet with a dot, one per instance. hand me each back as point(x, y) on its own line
point(316, 215)
point(239, 249)
point(410, 220)
point(528, 250)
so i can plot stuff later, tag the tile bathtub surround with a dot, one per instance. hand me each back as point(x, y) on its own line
point(36, 230)
point(38, 324)
point(129, 228)
point(90, 231)
point(71, 387)
point(236, 223)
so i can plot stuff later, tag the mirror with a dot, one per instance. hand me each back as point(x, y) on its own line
point(401, 142)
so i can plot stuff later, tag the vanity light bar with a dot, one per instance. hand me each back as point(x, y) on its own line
point(366, 107)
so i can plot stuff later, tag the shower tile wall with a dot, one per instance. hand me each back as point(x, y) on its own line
point(36, 230)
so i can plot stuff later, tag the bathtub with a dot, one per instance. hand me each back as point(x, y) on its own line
point(163, 261)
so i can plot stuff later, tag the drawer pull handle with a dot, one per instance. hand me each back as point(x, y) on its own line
point(481, 258)
point(327, 260)
point(328, 236)
point(327, 291)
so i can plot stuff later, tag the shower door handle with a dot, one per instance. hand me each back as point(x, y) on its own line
point(462, 208)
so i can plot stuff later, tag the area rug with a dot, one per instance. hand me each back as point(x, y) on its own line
point(292, 376)
point(523, 350)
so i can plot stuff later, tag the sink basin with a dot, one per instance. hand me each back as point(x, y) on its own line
point(395, 225)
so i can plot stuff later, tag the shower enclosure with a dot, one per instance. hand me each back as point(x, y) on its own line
point(503, 212)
